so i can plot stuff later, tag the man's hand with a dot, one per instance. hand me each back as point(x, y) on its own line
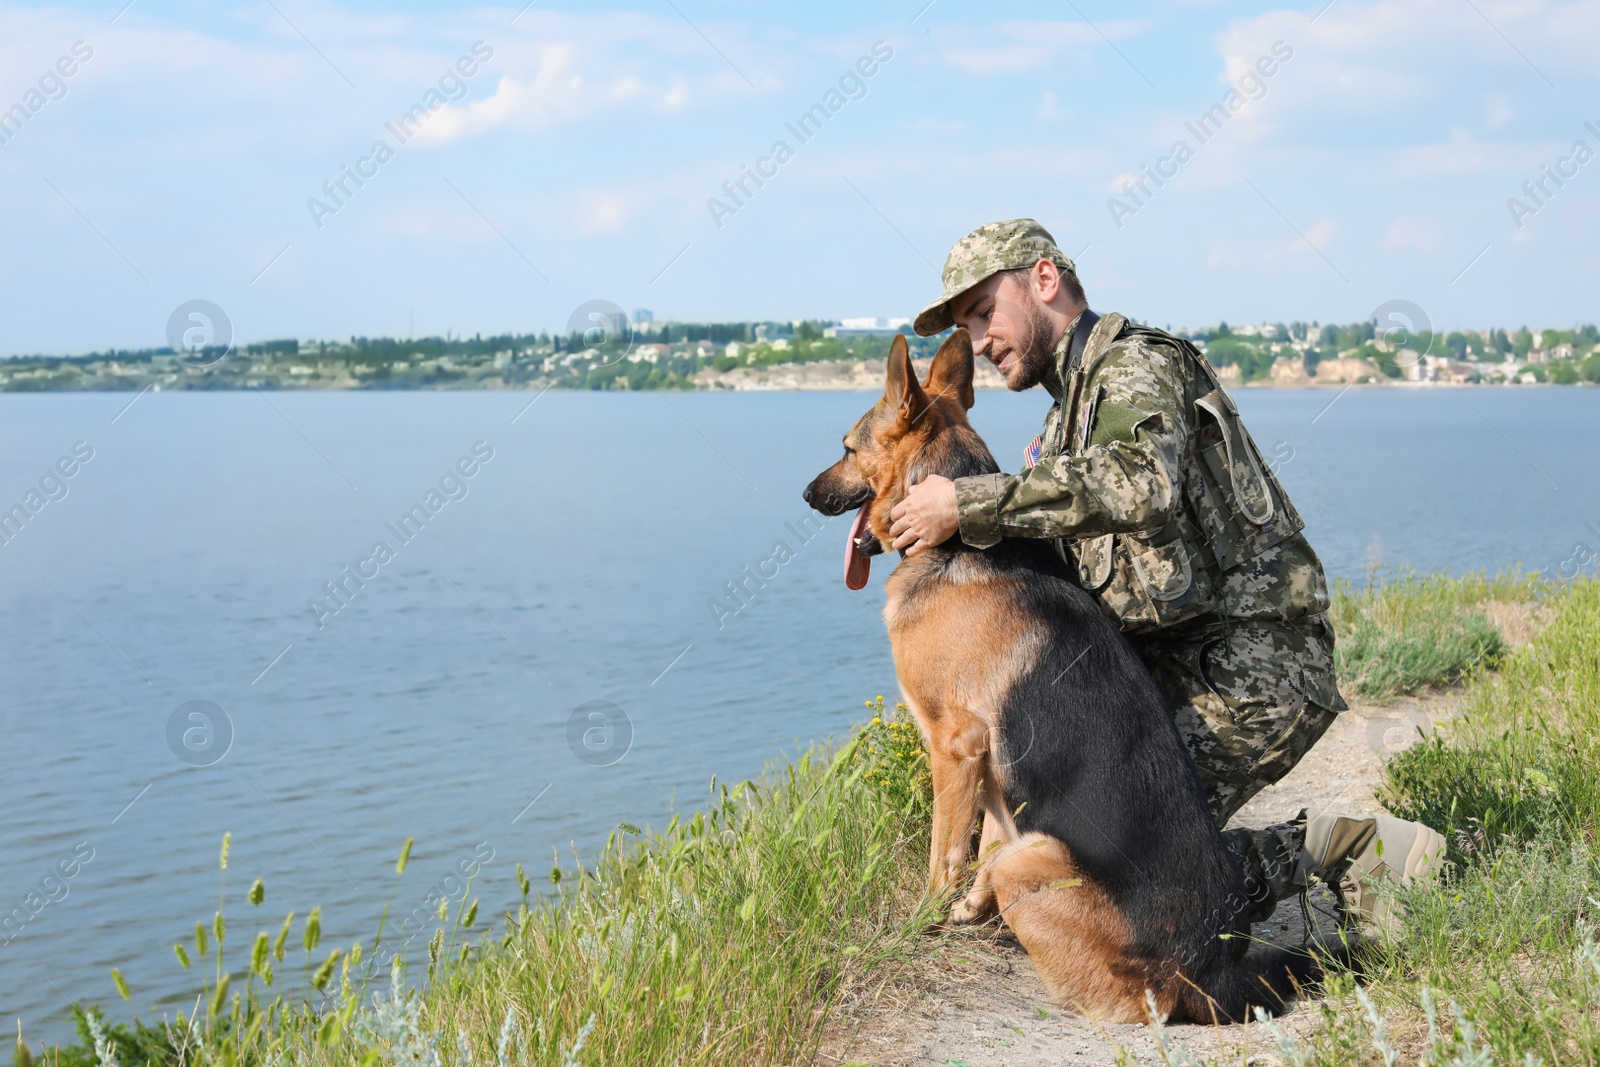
point(926, 517)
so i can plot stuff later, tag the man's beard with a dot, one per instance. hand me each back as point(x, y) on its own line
point(1037, 353)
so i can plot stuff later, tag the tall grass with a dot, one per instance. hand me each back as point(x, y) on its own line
point(1524, 758)
point(1496, 962)
point(1412, 632)
point(724, 939)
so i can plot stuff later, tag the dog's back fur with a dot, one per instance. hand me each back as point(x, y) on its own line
point(1098, 847)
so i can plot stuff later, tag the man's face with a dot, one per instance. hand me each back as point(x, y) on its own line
point(1009, 328)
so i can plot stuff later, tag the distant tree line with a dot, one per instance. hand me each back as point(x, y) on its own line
point(1254, 354)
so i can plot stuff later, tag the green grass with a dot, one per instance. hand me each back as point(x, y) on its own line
point(1524, 759)
point(1500, 951)
point(1410, 633)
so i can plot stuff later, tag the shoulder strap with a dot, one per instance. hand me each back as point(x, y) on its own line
point(1080, 338)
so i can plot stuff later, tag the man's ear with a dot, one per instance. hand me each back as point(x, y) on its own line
point(951, 373)
point(901, 388)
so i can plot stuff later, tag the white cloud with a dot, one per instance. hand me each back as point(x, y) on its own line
point(600, 212)
point(264, 85)
point(1497, 109)
point(1027, 45)
point(1386, 55)
point(1320, 234)
point(1406, 233)
point(1268, 249)
point(582, 76)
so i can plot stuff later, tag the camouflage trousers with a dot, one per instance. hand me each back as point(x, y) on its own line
point(1249, 699)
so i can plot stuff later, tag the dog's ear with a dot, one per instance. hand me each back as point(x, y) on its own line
point(951, 373)
point(901, 389)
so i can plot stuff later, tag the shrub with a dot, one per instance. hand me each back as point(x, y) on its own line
point(1562, 372)
point(1410, 633)
point(897, 763)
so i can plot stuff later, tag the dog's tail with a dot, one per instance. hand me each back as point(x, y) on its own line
point(1268, 978)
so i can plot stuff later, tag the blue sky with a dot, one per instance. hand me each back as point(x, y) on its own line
point(576, 162)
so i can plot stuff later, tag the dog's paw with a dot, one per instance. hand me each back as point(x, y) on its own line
point(968, 912)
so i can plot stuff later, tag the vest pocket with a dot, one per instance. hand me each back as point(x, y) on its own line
point(1094, 561)
point(1246, 480)
point(1232, 537)
point(1163, 570)
point(1147, 585)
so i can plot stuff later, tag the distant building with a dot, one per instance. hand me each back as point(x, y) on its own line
point(643, 317)
point(866, 327)
point(846, 330)
point(733, 349)
point(1265, 330)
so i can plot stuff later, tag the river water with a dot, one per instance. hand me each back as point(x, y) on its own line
point(568, 565)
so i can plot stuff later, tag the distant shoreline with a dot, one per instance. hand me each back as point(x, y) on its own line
point(833, 376)
point(726, 388)
point(765, 357)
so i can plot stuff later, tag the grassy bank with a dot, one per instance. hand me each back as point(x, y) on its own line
point(1413, 632)
point(730, 937)
point(1496, 962)
point(723, 939)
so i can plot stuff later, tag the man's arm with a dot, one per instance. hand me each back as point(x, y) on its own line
point(1126, 480)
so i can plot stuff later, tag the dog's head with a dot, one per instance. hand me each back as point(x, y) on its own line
point(914, 430)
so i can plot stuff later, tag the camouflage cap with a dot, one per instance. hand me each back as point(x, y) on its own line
point(988, 250)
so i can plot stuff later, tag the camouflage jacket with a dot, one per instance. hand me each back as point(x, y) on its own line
point(1147, 475)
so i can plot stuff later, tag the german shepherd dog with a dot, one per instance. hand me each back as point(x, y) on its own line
point(1097, 846)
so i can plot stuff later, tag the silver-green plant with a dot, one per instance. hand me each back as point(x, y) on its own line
point(105, 1050)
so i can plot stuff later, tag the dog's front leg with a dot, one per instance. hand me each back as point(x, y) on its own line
point(998, 830)
point(979, 903)
point(957, 762)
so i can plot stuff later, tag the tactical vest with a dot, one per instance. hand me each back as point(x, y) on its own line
point(1232, 509)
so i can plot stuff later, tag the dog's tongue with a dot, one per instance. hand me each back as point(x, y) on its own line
point(857, 564)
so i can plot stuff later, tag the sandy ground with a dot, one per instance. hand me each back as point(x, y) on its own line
point(980, 1004)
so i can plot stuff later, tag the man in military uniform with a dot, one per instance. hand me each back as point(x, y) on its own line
point(1147, 476)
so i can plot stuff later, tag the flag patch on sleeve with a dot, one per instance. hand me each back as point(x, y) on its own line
point(1030, 455)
